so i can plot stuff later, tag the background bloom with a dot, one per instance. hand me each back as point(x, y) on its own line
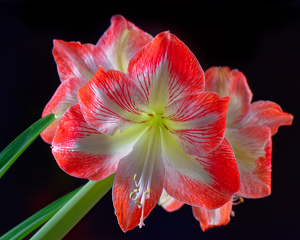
point(156, 128)
point(77, 63)
point(249, 128)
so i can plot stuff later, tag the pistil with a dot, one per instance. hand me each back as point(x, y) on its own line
point(143, 185)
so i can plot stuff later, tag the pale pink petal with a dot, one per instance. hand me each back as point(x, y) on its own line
point(166, 70)
point(83, 152)
point(168, 203)
point(121, 41)
point(209, 218)
point(253, 151)
point(76, 60)
point(197, 122)
point(142, 169)
point(77, 63)
point(230, 83)
point(268, 114)
point(205, 181)
point(64, 97)
point(111, 102)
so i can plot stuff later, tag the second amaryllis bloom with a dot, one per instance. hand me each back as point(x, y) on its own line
point(249, 130)
point(156, 128)
point(77, 63)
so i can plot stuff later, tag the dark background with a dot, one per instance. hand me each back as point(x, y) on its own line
point(261, 39)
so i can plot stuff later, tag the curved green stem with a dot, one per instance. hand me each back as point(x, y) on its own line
point(70, 214)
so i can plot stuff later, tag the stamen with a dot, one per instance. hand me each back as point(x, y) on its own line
point(236, 200)
point(138, 203)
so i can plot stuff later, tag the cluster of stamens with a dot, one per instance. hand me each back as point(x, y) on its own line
point(136, 194)
point(143, 182)
point(139, 196)
point(236, 200)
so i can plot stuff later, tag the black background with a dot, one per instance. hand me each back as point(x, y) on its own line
point(261, 39)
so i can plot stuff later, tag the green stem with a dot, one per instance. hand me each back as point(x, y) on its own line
point(70, 214)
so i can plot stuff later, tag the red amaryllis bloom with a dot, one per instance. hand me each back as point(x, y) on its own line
point(249, 128)
point(77, 63)
point(156, 128)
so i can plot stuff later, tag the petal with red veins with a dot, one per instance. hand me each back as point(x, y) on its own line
point(64, 97)
point(230, 83)
point(138, 182)
point(197, 122)
point(253, 151)
point(121, 41)
point(83, 152)
point(168, 203)
point(77, 60)
point(111, 102)
point(166, 70)
point(205, 181)
point(209, 218)
point(268, 114)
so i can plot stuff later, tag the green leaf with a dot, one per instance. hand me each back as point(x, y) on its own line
point(37, 219)
point(9, 155)
point(70, 214)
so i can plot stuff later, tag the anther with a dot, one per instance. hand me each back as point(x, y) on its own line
point(148, 191)
point(135, 177)
point(138, 203)
point(136, 190)
point(131, 194)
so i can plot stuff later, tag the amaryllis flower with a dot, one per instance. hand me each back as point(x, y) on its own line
point(156, 128)
point(249, 128)
point(77, 63)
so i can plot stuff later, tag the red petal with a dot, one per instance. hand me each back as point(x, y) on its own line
point(166, 70)
point(64, 97)
point(77, 60)
point(197, 122)
point(257, 184)
point(266, 113)
point(253, 151)
point(121, 41)
point(230, 83)
point(129, 214)
point(83, 152)
point(168, 203)
point(111, 102)
point(209, 218)
point(205, 181)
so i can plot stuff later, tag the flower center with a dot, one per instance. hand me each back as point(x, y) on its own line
point(143, 182)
